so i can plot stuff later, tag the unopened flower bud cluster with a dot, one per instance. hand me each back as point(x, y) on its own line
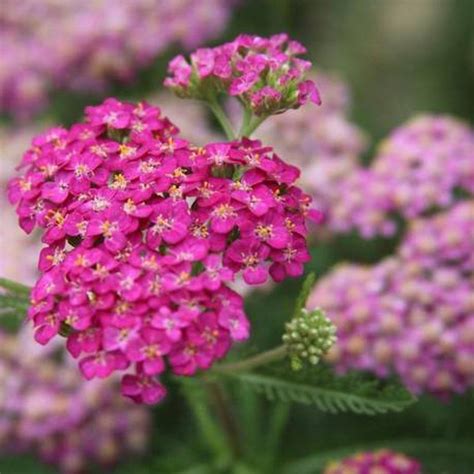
point(308, 337)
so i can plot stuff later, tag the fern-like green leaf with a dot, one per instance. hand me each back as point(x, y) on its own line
point(319, 386)
point(14, 288)
point(304, 293)
point(14, 302)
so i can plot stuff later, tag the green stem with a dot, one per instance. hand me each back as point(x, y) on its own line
point(15, 287)
point(252, 362)
point(218, 397)
point(277, 424)
point(222, 118)
point(210, 430)
point(253, 125)
point(246, 119)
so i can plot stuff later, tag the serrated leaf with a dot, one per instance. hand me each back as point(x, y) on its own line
point(319, 386)
point(15, 288)
point(14, 302)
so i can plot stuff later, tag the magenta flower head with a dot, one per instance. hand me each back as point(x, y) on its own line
point(383, 461)
point(265, 74)
point(143, 233)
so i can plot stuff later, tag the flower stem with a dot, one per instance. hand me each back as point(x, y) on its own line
point(252, 125)
point(252, 362)
point(246, 119)
point(222, 118)
point(210, 430)
point(218, 398)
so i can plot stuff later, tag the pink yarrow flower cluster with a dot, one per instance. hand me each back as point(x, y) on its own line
point(420, 167)
point(411, 314)
point(100, 41)
point(46, 408)
point(143, 233)
point(383, 461)
point(264, 73)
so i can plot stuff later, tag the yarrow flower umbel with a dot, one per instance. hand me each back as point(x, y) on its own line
point(264, 73)
point(101, 41)
point(383, 461)
point(46, 408)
point(143, 233)
point(411, 313)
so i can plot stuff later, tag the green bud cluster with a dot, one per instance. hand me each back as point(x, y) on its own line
point(308, 337)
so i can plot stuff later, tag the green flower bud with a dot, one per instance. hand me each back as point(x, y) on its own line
point(308, 337)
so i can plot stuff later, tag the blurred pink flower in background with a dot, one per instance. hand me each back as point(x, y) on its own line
point(48, 409)
point(418, 168)
point(382, 461)
point(84, 45)
point(411, 314)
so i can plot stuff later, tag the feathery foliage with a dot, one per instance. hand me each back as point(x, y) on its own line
point(319, 386)
point(14, 301)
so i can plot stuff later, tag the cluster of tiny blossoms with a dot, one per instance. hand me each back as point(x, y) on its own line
point(46, 408)
point(383, 461)
point(143, 231)
point(84, 45)
point(264, 73)
point(412, 314)
point(418, 168)
point(319, 140)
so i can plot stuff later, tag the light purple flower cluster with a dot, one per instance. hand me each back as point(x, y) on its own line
point(264, 73)
point(412, 314)
point(46, 408)
point(143, 232)
point(383, 461)
point(417, 169)
point(84, 45)
point(319, 140)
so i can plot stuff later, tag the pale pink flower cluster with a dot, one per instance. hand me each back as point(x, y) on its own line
point(143, 233)
point(68, 44)
point(411, 314)
point(418, 168)
point(382, 461)
point(47, 409)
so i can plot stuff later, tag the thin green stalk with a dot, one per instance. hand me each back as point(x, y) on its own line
point(252, 362)
point(247, 117)
point(276, 426)
point(253, 125)
point(207, 425)
point(218, 397)
point(222, 118)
